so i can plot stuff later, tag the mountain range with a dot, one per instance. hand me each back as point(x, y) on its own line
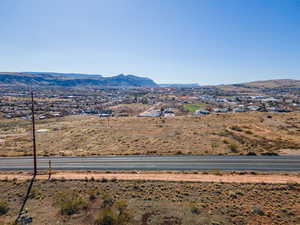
point(45, 79)
point(179, 85)
point(73, 79)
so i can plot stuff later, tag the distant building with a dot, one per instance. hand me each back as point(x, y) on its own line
point(201, 112)
point(42, 117)
point(168, 113)
point(151, 113)
point(105, 113)
point(56, 114)
point(271, 99)
point(223, 110)
point(253, 108)
point(238, 110)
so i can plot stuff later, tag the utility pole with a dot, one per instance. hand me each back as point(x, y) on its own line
point(108, 121)
point(23, 218)
point(50, 170)
point(33, 134)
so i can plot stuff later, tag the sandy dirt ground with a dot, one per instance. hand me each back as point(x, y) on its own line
point(215, 134)
point(226, 178)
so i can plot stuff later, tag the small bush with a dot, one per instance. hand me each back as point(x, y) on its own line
point(251, 153)
point(217, 172)
point(195, 210)
point(292, 185)
point(236, 128)
point(70, 203)
point(224, 133)
point(248, 132)
point(114, 179)
point(92, 194)
point(233, 195)
point(106, 217)
point(107, 201)
point(257, 210)
point(214, 145)
point(233, 148)
point(270, 153)
point(225, 141)
point(114, 214)
point(34, 193)
point(104, 180)
point(3, 208)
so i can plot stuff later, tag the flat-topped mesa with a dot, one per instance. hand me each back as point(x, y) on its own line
point(73, 79)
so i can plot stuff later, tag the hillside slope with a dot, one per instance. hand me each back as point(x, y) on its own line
point(267, 86)
point(73, 80)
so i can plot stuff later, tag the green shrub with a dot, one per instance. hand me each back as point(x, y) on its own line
point(114, 214)
point(92, 194)
point(107, 201)
point(233, 147)
point(214, 145)
point(179, 153)
point(104, 180)
point(225, 141)
point(248, 132)
point(236, 128)
point(232, 195)
point(224, 133)
point(257, 210)
point(3, 208)
point(292, 185)
point(70, 203)
point(195, 210)
point(217, 172)
point(114, 179)
point(106, 217)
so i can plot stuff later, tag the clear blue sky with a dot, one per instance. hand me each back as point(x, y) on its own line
point(174, 41)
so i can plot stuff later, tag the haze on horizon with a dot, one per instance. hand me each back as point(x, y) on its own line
point(169, 41)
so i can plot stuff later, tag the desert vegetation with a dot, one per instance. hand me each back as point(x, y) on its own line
point(101, 202)
point(226, 134)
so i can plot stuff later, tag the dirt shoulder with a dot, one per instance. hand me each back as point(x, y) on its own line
point(226, 178)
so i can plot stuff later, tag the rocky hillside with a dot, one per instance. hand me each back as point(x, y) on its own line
point(73, 80)
point(267, 86)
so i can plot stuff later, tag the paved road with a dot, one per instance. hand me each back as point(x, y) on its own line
point(259, 163)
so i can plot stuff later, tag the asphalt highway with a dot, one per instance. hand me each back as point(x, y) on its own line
point(229, 163)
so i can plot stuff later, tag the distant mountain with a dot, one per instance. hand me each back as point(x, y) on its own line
point(265, 86)
point(71, 75)
point(280, 83)
point(179, 85)
point(73, 79)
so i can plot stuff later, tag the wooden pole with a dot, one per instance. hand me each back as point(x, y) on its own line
point(49, 177)
point(33, 134)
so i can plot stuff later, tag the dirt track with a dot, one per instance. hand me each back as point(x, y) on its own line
point(227, 178)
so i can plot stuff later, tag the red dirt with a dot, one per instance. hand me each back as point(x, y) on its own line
point(228, 178)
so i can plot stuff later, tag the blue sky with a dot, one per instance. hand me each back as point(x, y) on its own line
point(170, 41)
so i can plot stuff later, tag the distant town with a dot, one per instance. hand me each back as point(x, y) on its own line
point(159, 101)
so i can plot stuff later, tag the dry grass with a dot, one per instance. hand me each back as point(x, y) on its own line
point(158, 202)
point(292, 178)
point(17, 99)
point(131, 109)
point(257, 87)
point(213, 134)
